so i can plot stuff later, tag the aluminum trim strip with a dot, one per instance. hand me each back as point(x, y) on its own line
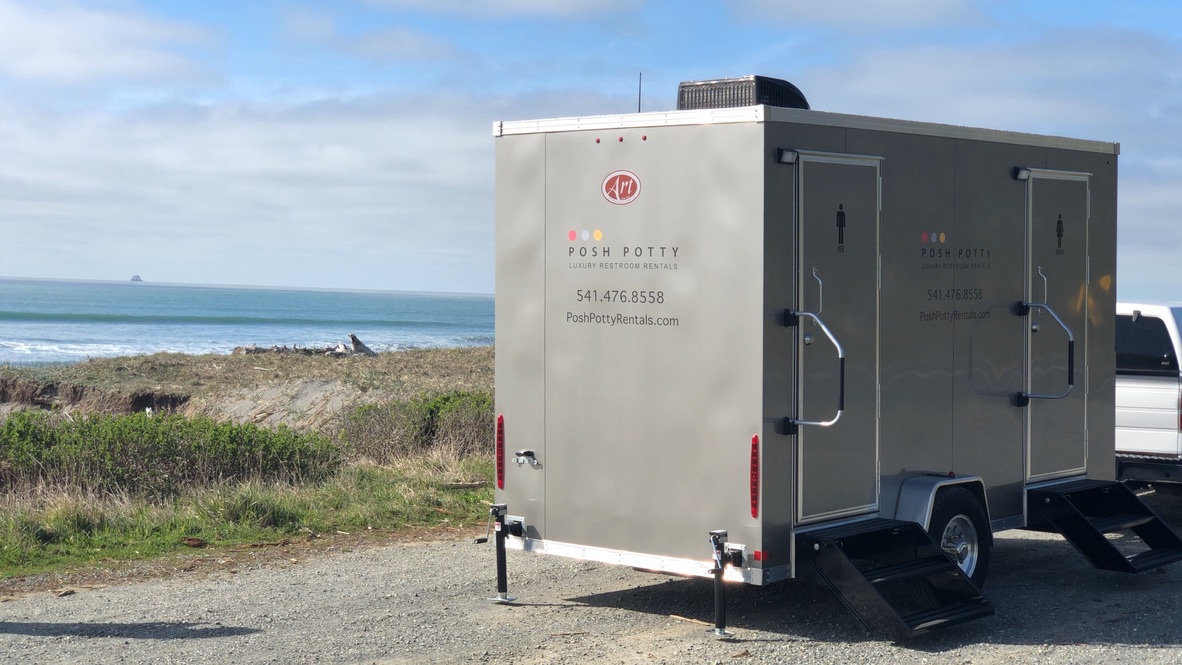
point(1154, 457)
point(632, 120)
point(799, 116)
point(655, 563)
point(1056, 481)
point(827, 119)
point(1056, 174)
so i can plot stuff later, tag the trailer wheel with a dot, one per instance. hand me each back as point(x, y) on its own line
point(960, 527)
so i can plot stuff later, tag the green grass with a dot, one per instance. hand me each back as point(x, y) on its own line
point(56, 530)
point(86, 488)
point(159, 456)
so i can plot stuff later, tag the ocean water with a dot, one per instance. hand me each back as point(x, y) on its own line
point(52, 321)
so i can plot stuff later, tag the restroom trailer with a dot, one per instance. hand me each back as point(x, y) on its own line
point(750, 340)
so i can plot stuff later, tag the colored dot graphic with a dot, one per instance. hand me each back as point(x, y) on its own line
point(585, 234)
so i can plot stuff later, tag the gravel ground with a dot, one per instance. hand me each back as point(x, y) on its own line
point(425, 603)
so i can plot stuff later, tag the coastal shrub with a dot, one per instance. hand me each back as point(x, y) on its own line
point(141, 455)
point(464, 423)
point(378, 433)
point(457, 423)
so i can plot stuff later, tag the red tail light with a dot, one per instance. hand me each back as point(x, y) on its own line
point(500, 452)
point(755, 475)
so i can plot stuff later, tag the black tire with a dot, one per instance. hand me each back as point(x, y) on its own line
point(959, 525)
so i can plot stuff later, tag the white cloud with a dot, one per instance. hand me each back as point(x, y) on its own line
point(484, 8)
point(859, 15)
point(368, 193)
point(1084, 83)
point(389, 44)
point(1109, 85)
point(309, 25)
point(400, 45)
point(69, 43)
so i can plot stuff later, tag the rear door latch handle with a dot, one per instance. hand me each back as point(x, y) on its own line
point(523, 457)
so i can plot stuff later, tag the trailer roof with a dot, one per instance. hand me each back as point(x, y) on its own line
point(764, 113)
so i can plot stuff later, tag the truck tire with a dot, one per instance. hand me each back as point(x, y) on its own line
point(960, 527)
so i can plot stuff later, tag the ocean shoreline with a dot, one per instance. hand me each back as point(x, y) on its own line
point(63, 320)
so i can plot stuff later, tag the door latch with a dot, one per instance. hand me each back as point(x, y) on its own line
point(523, 457)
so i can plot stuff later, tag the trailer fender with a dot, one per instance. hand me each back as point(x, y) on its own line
point(917, 495)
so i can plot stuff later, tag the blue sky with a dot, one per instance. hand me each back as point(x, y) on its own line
point(348, 143)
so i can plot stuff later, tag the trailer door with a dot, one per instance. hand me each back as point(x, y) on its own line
point(1057, 210)
point(836, 417)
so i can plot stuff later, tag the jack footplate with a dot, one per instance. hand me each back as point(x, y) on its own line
point(892, 576)
point(1084, 511)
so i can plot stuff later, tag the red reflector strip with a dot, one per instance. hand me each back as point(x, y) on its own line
point(500, 452)
point(759, 555)
point(755, 475)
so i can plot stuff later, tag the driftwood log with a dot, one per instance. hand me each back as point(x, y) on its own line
point(340, 350)
point(360, 347)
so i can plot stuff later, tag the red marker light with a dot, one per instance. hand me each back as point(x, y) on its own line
point(500, 452)
point(755, 475)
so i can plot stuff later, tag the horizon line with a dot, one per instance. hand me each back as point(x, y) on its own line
point(328, 289)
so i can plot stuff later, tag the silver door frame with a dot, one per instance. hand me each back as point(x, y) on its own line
point(804, 280)
point(1030, 175)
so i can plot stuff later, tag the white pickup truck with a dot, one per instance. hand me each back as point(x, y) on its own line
point(1148, 394)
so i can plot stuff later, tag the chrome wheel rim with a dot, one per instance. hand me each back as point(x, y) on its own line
point(961, 544)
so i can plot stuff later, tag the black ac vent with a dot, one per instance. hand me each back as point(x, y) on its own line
point(742, 91)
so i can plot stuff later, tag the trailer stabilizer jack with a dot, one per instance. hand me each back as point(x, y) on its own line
point(718, 542)
point(496, 515)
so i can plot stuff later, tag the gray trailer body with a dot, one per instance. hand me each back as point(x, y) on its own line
point(769, 321)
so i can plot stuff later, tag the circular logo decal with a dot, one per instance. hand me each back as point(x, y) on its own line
point(621, 187)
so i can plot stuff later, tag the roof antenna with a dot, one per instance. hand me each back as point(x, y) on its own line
point(639, 88)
